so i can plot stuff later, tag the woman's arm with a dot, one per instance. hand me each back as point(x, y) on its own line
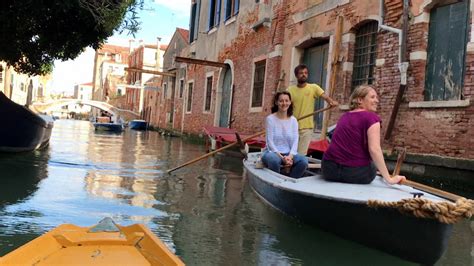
point(269, 128)
point(294, 136)
point(375, 150)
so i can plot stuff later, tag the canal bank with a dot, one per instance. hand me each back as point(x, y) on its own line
point(439, 171)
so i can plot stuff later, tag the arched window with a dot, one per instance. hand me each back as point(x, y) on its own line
point(365, 53)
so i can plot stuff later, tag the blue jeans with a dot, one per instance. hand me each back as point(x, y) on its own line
point(335, 172)
point(273, 162)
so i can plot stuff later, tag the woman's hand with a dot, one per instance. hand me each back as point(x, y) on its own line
point(396, 179)
point(288, 160)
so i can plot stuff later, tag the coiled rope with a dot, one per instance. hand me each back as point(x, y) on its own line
point(445, 212)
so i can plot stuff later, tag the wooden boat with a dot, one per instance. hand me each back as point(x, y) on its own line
point(138, 124)
point(104, 244)
point(21, 129)
point(344, 210)
point(112, 127)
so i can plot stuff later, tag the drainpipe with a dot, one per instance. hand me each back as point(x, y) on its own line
point(402, 62)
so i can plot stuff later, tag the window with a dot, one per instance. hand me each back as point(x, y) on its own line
point(207, 103)
point(445, 64)
point(231, 8)
point(194, 21)
point(181, 88)
point(214, 13)
point(258, 83)
point(365, 54)
point(190, 97)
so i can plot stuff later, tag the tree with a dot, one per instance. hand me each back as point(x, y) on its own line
point(34, 33)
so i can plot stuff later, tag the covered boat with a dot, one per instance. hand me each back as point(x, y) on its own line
point(21, 129)
point(112, 127)
point(362, 213)
point(104, 244)
point(138, 124)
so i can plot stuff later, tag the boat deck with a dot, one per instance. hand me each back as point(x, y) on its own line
point(315, 185)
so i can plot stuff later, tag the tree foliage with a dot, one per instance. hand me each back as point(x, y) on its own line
point(34, 33)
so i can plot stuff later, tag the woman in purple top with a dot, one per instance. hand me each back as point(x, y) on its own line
point(355, 152)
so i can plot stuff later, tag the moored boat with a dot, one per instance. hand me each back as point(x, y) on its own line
point(138, 124)
point(104, 244)
point(357, 212)
point(112, 127)
point(21, 129)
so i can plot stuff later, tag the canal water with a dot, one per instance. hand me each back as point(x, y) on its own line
point(206, 212)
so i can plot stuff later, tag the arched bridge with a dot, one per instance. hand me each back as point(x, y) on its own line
point(126, 115)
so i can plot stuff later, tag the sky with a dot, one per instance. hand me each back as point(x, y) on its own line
point(159, 18)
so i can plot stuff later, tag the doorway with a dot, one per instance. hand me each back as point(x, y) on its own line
point(224, 112)
point(316, 59)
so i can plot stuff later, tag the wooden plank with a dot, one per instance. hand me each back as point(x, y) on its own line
point(188, 60)
point(314, 165)
point(154, 72)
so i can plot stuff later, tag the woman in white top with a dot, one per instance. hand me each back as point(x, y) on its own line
point(282, 138)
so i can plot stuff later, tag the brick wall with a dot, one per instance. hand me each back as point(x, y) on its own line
point(438, 131)
point(249, 45)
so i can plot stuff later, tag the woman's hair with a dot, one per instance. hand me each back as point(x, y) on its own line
point(275, 100)
point(359, 93)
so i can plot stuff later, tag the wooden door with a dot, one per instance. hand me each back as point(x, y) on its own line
point(447, 41)
point(173, 92)
point(224, 112)
point(316, 59)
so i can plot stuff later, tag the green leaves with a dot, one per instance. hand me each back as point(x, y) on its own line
point(33, 34)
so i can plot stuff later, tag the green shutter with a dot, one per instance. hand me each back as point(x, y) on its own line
point(446, 52)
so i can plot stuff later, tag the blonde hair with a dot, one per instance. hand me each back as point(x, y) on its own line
point(359, 93)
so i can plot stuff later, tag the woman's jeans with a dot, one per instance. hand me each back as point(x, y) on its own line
point(333, 171)
point(273, 162)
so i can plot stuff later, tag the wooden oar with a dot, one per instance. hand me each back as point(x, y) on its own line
point(419, 186)
point(235, 142)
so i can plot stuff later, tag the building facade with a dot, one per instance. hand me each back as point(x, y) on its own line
point(170, 111)
point(420, 64)
point(109, 62)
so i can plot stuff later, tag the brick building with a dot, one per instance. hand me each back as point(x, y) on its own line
point(435, 112)
point(257, 44)
point(170, 113)
point(233, 65)
point(109, 63)
point(142, 57)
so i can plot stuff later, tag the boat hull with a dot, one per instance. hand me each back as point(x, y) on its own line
point(100, 245)
point(21, 129)
point(111, 127)
point(414, 239)
point(138, 124)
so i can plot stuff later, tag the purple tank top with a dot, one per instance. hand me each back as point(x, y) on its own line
point(349, 144)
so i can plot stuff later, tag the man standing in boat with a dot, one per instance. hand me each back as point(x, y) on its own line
point(303, 96)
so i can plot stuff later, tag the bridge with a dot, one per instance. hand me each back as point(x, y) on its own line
point(47, 107)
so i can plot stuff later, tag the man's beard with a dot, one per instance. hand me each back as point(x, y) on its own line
point(302, 80)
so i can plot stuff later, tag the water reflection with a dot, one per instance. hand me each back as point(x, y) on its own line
point(20, 175)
